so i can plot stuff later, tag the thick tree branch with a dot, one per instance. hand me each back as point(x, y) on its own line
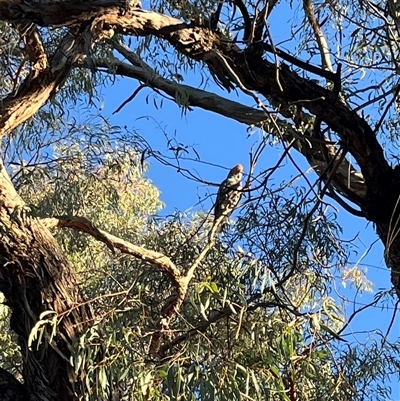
point(46, 13)
point(196, 97)
point(159, 260)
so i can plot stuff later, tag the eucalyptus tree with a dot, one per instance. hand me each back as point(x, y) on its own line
point(171, 309)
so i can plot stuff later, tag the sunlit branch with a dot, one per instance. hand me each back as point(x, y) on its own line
point(319, 36)
point(159, 260)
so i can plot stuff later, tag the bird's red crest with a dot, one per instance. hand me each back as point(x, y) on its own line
point(237, 169)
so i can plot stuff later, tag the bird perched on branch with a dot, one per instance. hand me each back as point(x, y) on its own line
point(228, 196)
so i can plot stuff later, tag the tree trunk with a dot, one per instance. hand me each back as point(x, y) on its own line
point(36, 277)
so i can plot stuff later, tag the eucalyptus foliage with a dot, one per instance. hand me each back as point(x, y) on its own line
point(260, 315)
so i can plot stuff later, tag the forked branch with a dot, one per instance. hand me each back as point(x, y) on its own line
point(157, 259)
